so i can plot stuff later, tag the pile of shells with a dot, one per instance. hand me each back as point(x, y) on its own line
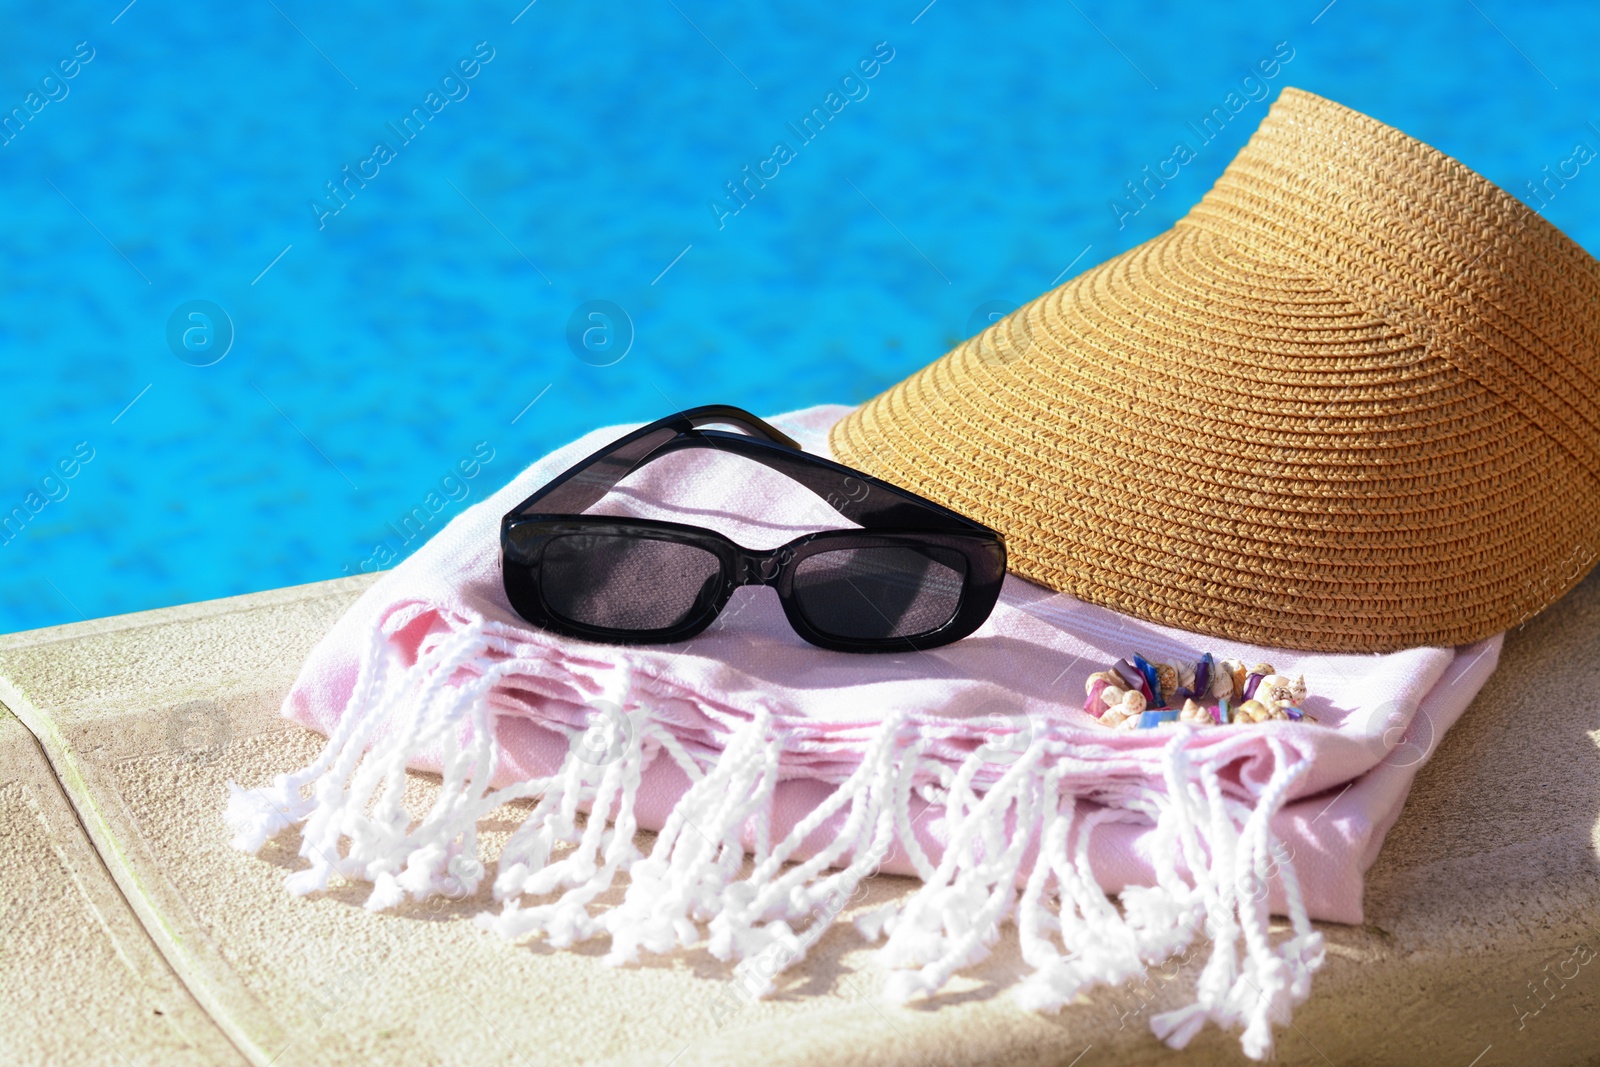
point(1138, 693)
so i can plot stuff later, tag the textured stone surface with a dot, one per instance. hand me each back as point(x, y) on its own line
point(80, 980)
point(1483, 892)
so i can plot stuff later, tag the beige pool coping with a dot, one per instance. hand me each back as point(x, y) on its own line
point(130, 932)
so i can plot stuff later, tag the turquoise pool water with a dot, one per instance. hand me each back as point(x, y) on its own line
point(275, 276)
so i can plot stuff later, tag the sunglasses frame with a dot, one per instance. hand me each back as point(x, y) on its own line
point(889, 516)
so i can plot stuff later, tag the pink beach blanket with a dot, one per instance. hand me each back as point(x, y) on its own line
point(779, 775)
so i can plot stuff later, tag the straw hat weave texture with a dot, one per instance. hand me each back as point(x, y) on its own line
point(1350, 402)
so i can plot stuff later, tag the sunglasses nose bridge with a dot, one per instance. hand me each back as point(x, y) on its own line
point(760, 568)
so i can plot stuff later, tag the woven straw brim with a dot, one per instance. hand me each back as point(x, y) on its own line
point(1348, 403)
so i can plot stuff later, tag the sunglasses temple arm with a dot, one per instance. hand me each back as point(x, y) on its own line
point(856, 496)
point(726, 414)
point(583, 484)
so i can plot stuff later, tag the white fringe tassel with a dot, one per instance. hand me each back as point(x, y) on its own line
point(698, 886)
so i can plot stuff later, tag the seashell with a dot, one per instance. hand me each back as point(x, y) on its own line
point(1186, 676)
point(1134, 678)
point(1271, 710)
point(1130, 723)
point(1263, 669)
point(1298, 688)
point(1251, 711)
point(1108, 677)
point(1134, 702)
point(1092, 704)
point(1167, 680)
point(1193, 712)
point(1152, 681)
point(1240, 676)
point(1277, 688)
point(1113, 716)
point(1111, 696)
point(1221, 687)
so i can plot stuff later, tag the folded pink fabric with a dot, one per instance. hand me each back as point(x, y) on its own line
point(780, 774)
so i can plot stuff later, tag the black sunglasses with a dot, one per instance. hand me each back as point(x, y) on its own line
point(916, 575)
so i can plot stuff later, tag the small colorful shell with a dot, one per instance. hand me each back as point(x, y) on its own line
point(1277, 688)
point(1167, 677)
point(1152, 680)
point(1136, 679)
point(1252, 711)
point(1222, 681)
point(1270, 709)
point(1108, 677)
point(1203, 672)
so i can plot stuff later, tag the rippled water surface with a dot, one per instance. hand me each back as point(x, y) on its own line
point(273, 274)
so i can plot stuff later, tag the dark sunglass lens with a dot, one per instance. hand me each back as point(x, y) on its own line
point(626, 583)
point(876, 593)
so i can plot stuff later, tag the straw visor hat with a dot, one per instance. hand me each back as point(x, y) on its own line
point(1350, 402)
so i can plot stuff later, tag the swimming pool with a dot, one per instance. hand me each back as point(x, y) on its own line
point(277, 277)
